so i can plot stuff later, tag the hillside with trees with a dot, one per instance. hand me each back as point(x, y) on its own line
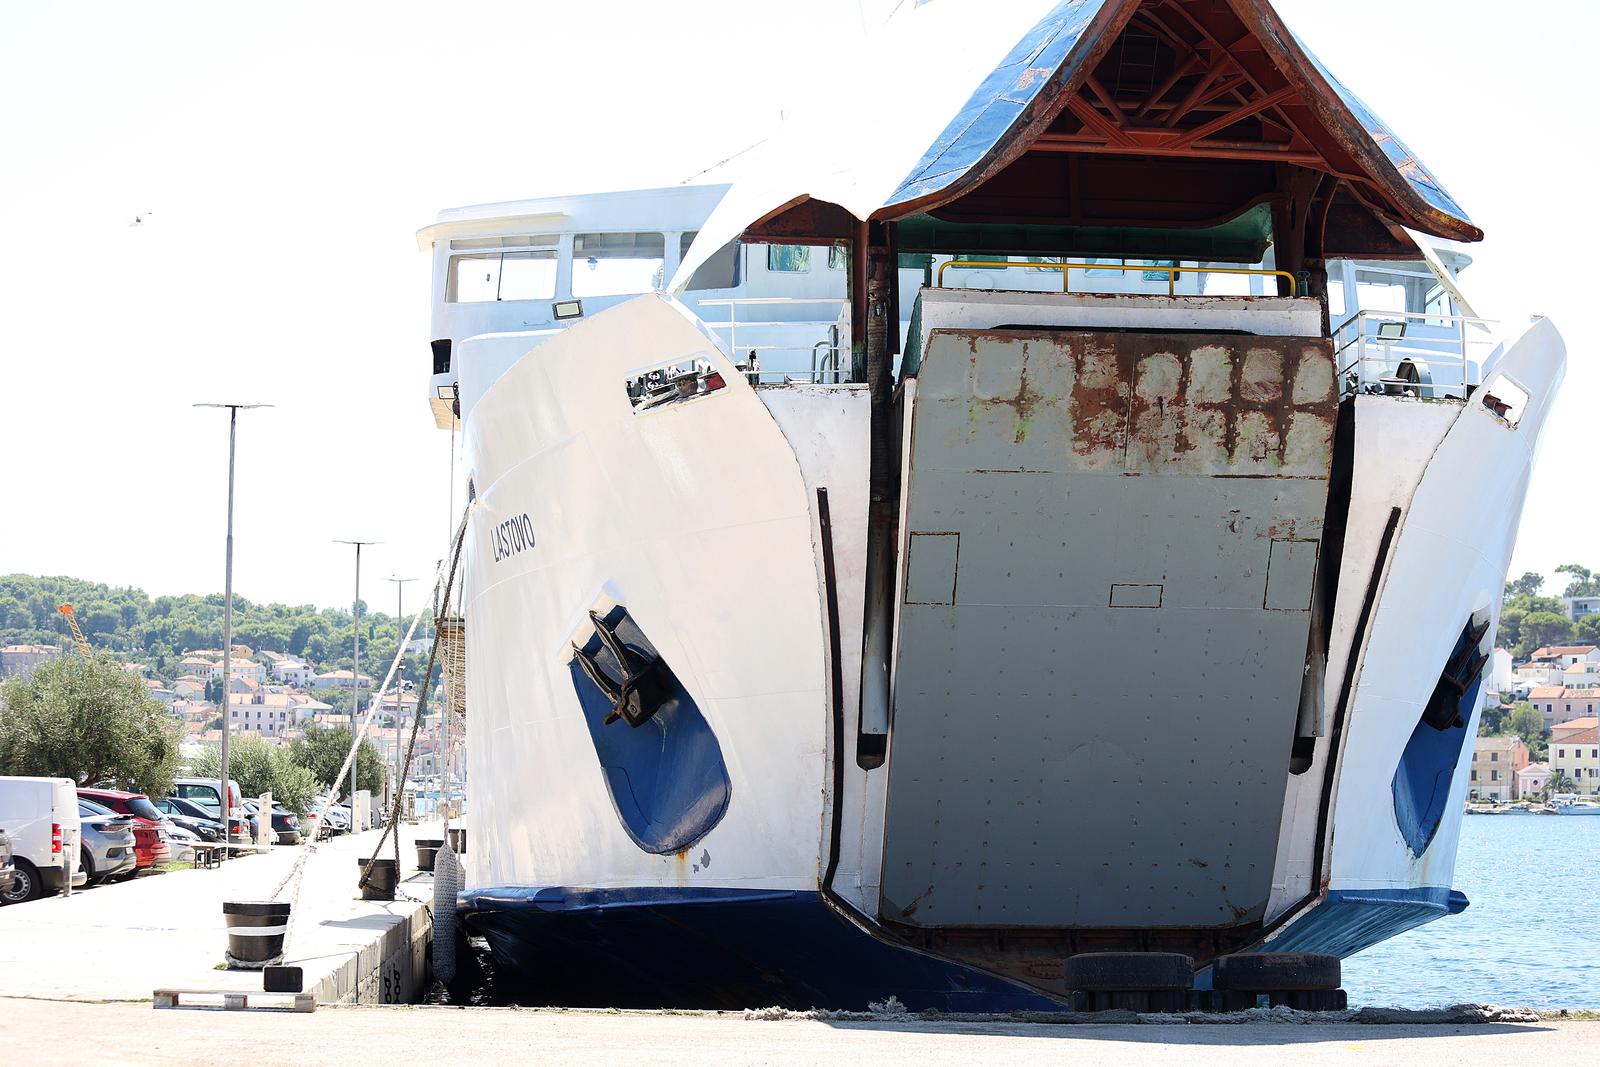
point(1529, 619)
point(133, 626)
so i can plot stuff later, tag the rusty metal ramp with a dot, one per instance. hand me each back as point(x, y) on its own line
point(1112, 543)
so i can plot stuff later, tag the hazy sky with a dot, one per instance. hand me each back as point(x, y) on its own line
point(284, 156)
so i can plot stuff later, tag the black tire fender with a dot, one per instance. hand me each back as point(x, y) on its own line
point(1128, 971)
point(1273, 972)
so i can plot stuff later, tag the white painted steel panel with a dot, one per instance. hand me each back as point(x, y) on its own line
point(693, 515)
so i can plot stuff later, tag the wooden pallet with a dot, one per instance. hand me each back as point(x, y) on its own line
point(234, 1000)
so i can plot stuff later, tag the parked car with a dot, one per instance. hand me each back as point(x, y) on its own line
point(106, 852)
point(150, 847)
point(8, 872)
point(40, 816)
point(207, 792)
point(191, 817)
point(285, 823)
point(180, 843)
point(335, 820)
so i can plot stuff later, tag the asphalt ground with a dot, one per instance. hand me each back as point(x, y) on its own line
point(53, 1032)
point(120, 942)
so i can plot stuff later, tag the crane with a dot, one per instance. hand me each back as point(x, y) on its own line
point(77, 633)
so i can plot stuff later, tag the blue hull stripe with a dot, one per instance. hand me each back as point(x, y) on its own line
point(1351, 920)
point(714, 948)
point(741, 948)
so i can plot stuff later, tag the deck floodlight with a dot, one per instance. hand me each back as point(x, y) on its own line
point(567, 309)
point(447, 392)
point(1392, 330)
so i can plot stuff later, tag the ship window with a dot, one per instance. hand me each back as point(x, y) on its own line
point(474, 279)
point(535, 240)
point(720, 271)
point(788, 259)
point(481, 277)
point(1336, 308)
point(838, 258)
point(617, 264)
point(528, 275)
point(1155, 275)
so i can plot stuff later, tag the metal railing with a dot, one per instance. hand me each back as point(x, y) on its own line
point(825, 355)
point(1066, 270)
point(1412, 353)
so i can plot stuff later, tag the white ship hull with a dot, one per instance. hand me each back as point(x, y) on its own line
point(1140, 615)
point(701, 521)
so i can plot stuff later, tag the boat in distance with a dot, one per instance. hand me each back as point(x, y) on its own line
point(1066, 513)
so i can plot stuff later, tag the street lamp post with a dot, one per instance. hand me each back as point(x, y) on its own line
point(225, 801)
point(399, 689)
point(355, 678)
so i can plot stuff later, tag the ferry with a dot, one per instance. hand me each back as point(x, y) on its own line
point(1067, 512)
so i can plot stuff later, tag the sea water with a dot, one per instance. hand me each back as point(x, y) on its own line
point(1530, 936)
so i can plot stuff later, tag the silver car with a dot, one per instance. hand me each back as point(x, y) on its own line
point(107, 843)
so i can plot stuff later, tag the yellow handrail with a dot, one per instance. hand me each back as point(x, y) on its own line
point(1066, 268)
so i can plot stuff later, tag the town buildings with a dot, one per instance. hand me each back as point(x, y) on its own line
point(1575, 753)
point(20, 660)
point(1531, 780)
point(1496, 761)
point(292, 670)
point(1565, 655)
point(340, 679)
point(1579, 606)
point(1559, 705)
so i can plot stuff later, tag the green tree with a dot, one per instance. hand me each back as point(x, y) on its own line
point(1589, 628)
point(1528, 585)
point(1581, 581)
point(261, 768)
point(1540, 628)
point(1526, 722)
point(1493, 720)
point(340, 700)
point(1509, 635)
point(322, 751)
point(89, 720)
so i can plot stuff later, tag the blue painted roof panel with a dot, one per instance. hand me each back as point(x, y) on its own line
point(1405, 161)
point(1051, 53)
point(995, 105)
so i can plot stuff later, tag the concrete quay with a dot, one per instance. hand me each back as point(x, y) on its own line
point(363, 1036)
point(121, 942)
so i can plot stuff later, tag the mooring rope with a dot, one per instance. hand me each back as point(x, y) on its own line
point(296, 873)
point(393, 822)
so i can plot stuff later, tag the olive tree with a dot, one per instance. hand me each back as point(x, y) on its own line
point(260, 768)
point(322, 751)
point(90, 720)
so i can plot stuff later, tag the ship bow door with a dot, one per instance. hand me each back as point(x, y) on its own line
point(1111, 547)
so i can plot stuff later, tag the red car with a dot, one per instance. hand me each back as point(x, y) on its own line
point(149, 833)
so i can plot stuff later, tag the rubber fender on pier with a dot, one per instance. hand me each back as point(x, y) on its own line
point(1271, 972)
point(1109, 971)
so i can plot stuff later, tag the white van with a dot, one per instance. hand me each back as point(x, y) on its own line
point(40, 815)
